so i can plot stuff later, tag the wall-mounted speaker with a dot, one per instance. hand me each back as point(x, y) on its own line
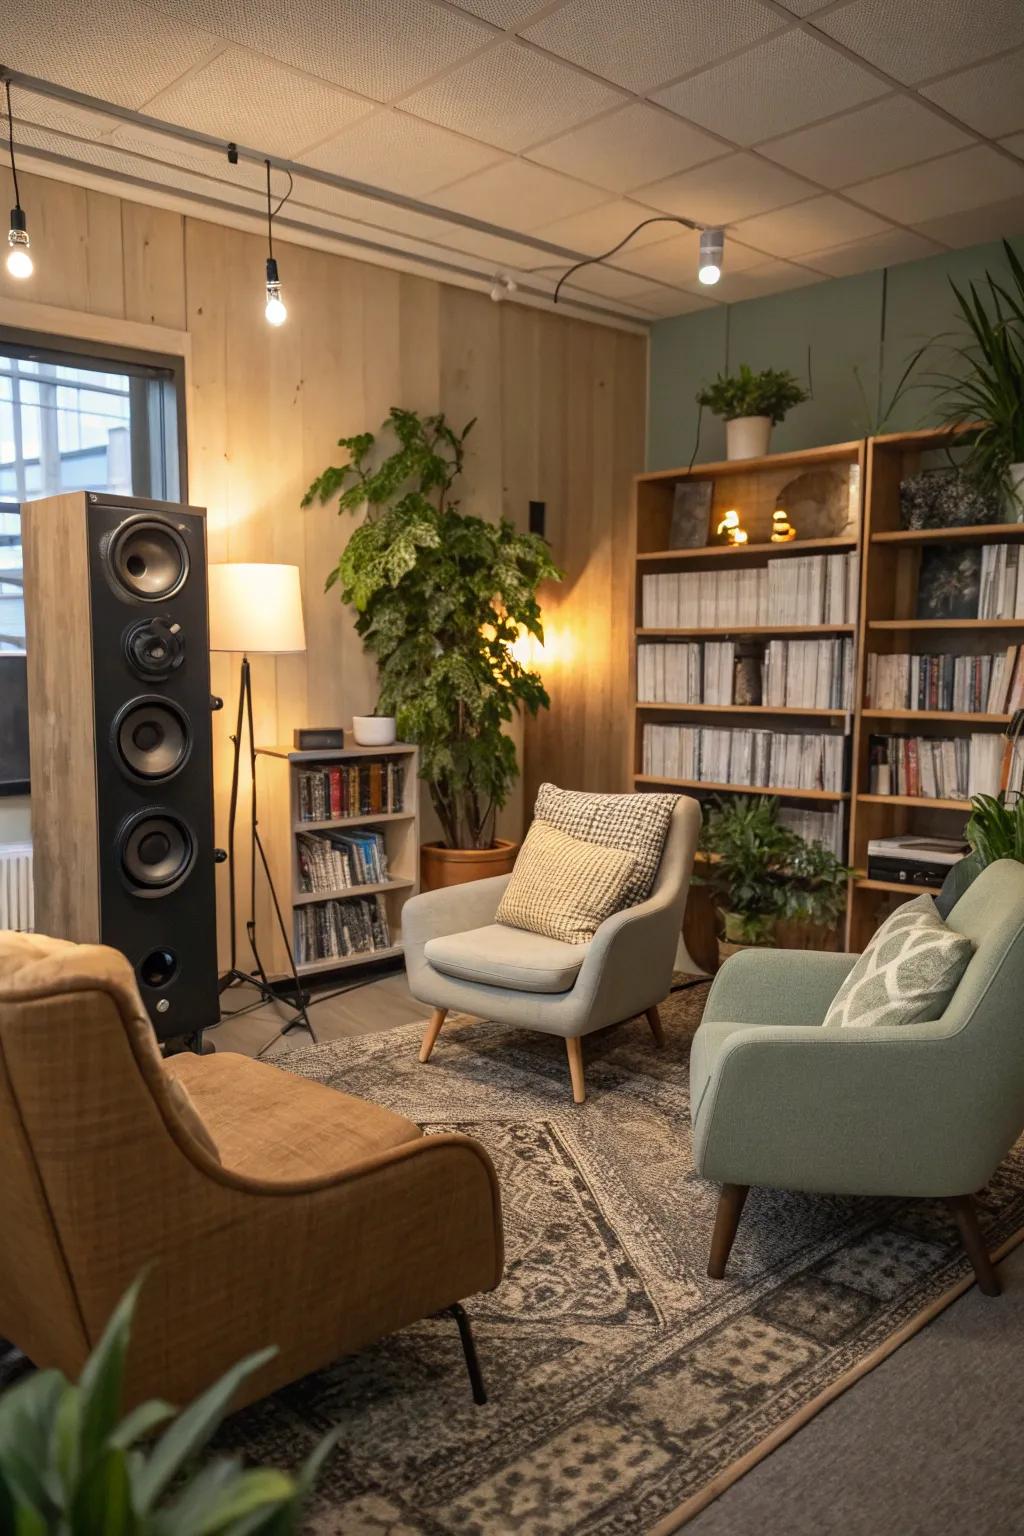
point(120, 741)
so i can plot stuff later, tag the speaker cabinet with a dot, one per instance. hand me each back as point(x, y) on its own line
point(120, 741)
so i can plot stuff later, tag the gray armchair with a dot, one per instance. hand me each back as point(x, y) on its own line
point(458, 957)
point(922, 1109)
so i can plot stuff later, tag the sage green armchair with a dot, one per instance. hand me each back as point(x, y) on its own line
point(924, 1110)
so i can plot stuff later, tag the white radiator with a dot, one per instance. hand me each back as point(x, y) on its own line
point(16, 886)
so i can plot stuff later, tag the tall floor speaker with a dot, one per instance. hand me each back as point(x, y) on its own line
point(120, 741)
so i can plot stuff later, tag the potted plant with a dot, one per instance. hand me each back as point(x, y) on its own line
point(995, 830)
point(376, 730)
point(441, 599)
point(70, 1466)
point(751, 404)
point(769, 886)
point(986, 384)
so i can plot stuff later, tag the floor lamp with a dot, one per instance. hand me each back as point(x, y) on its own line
point(255, 610)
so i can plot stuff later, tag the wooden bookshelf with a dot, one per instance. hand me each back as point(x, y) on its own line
point(279, 790)
point(752, 486)
point(889, 624)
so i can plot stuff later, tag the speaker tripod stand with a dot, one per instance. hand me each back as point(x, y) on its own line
point(235, 975)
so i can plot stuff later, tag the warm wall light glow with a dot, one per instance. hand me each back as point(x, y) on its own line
point(730, 528)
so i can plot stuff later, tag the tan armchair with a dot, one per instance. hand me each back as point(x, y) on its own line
point(270, 1209)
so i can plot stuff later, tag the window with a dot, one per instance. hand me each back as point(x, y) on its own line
point(83, 419)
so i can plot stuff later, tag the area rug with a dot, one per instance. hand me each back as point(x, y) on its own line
point(626, 1388)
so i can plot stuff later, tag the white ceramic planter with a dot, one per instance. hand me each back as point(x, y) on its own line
point(1015, 494)
point(747, 437)
point(374, 730)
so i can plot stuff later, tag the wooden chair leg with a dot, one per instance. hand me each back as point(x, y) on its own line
point(431, 1032)
point(966, 1217)
point(574, 1051)
point(730, 1209)
point(654, 1020)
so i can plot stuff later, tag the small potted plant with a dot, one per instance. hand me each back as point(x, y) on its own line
point(751, 404)
point(769, 886)
point(376, 730)
point(442, 600)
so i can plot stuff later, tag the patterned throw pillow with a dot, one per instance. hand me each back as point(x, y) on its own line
point(638, 823)
point(564, 888)
point(907, 974)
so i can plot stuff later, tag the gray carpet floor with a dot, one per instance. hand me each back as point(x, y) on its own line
point(930, 1441)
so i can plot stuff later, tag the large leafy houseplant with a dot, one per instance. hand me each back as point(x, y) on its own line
point(441, 599)
point(760, 873)
point(71, 1466)
point(985, 383)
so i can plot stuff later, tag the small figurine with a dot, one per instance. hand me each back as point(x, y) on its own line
point(730, 530)
point(782, 528)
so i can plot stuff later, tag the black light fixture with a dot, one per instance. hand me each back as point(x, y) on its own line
point(275, 311)
point(19, 260)
point(712, 245)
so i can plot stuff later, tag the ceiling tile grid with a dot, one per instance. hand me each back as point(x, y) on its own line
point(629, 146)
point(953, 184)
point(598, 229)
point(870, 141)
point(885, 250)
point(814, 225)
point(519, 196)
point(989, 97)
point(914, 40)
point(732, 188)
point(511, 96)
point(783, 83)
point(401, 153)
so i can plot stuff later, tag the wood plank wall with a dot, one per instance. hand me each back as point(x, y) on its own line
point(561, 408)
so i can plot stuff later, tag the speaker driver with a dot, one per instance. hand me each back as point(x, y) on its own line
point(148, 559)
point(152, 738)
point(154, 647)
point(157, 851)
point(158, 968)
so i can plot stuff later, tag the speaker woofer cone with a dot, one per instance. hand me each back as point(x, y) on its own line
point(148, 559)
point(157, 851)
point(152, 738)
point(154, 647)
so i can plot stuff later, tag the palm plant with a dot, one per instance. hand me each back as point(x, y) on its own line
point(986, 390)
point(69, 1466)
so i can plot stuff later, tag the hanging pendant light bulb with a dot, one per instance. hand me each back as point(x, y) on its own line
point(19, 260)
point(275, 310)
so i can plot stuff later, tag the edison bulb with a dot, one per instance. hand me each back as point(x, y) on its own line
point(709, 274)
point(275, 311)
point(19, 262)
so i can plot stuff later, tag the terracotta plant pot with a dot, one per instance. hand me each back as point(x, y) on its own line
point(747, 437)
point(441, 866)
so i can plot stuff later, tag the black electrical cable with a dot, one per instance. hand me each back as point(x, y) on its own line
point(10, 144)
point(272, 213)
point(589, 261)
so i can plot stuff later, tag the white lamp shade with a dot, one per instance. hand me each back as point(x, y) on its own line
point(256, 608)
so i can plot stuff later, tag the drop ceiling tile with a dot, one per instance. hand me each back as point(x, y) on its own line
point(61, 116)
point(610, 283)
point(885, 250)
point(876, 139)
point(375, 47)
point(812, 226)
point(511, 96)
point(1015, 144)
point(758, 282)
point(597, 229)
point(166, 151)
point(735, 187)
point(989, 97)
point(519, 196)
point(676, 260)
point(401, 153)
point(649, 42)
point(994, 221)
point(804, 7)
point(789, 80)
point(633, 145)
point(119, 50)
point(251, 99)
point(662, 303)
point(971, 178)
point(928, 37)
point(168, 176)
point(503, 13)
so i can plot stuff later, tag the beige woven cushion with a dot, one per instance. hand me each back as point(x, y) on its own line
point(564, 888)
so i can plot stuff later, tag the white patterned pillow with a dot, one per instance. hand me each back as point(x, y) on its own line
point(638, 823)
point(562, 888)
point(907, 974)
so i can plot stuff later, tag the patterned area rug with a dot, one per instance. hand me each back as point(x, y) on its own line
point(623, 1382)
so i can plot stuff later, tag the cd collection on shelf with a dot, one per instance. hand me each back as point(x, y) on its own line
point(755, 759)
point(944, 767)
point(332, 861)
point(990, 684)
point(798, 590)
point(333, 930)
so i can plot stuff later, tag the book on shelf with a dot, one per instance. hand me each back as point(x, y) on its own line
point(799, 590)
point(337, 791)
point(334, 930)
point(944, 767)
point(971, 582)
point(331, 861)
point(745, 758)
point(990, 684)
point(807, 674)
point(825, 827)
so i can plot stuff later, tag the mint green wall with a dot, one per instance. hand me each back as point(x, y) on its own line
point(873, 322)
